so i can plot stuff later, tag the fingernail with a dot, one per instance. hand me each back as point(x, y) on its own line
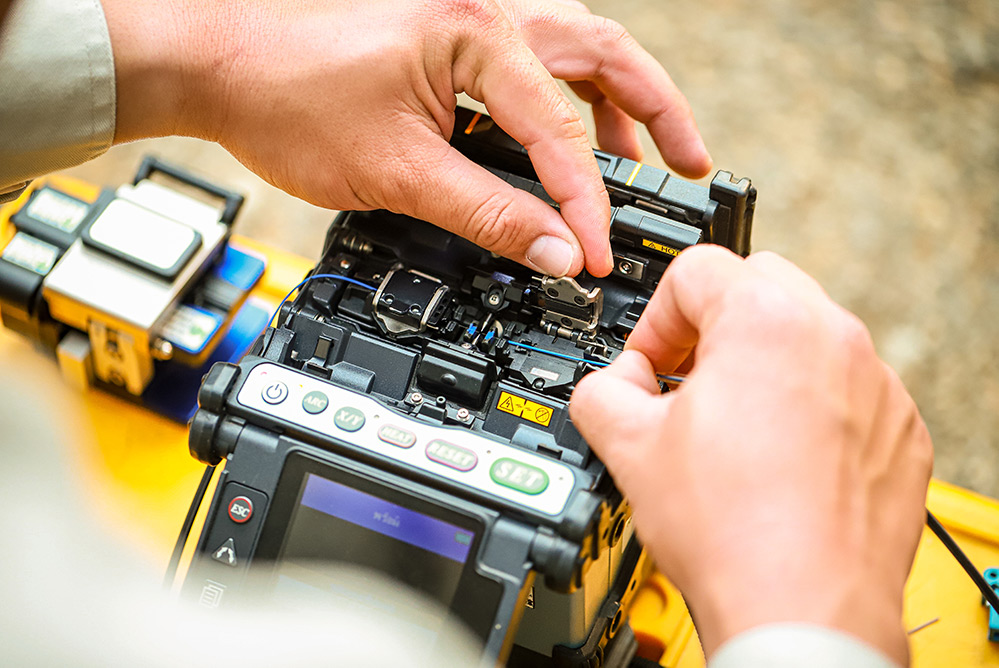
point(551, 255)
point(704, 149)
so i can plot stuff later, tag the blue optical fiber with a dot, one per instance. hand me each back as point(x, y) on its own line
point(338, 277)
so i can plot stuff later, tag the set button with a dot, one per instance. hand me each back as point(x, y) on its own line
point(449, 454)
point(519, 476)
point(396, 436)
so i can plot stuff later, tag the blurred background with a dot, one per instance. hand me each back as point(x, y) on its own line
point(871, 130)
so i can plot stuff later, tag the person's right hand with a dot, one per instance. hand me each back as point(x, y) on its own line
point(785, 480)
point(348, 104)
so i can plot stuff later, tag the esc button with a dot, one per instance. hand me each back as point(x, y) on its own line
point(240, 510)
point(451, 455)
point(516, 475)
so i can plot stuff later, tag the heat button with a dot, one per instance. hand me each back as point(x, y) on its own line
point(452, 455)
point(519, 476)
point(396, 436)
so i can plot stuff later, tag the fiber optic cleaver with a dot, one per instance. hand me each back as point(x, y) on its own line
point(136, 292)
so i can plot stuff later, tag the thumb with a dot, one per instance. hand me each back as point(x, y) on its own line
point(605, 404)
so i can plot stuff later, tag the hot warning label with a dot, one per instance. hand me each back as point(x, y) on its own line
point(662, 248)
point(524, 408)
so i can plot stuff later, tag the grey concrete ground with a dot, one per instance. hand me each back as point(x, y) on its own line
point(871, 130)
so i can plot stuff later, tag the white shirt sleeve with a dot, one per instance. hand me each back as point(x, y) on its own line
point(57, 88)
point(797, 646)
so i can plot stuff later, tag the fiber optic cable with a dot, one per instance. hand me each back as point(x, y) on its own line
point(338, 277)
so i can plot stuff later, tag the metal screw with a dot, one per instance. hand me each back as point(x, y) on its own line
point(466, 346)
point(494, 298)
point(625, 267)
point(462, 413)
point(345, 264)
point(552, 292)
point(416, 398)
point(161, 349)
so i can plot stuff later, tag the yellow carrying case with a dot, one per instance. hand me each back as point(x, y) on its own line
point(137, 470)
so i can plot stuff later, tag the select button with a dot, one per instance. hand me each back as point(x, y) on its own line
point(452, 455)
point(315, 402)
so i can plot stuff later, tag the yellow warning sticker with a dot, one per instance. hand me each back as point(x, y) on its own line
point(662, 248)
point(523, 408)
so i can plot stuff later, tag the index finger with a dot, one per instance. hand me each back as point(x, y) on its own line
point(523, 99)
point(582, 47)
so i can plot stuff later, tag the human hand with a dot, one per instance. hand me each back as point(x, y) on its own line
point(785, 480)
point(349, 105)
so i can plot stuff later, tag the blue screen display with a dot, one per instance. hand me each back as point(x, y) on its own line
point(389, 519)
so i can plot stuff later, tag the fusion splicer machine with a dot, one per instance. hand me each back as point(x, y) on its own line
point(408, 413)
point(136, 292)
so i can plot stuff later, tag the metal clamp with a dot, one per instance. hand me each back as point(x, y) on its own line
point(567, 304)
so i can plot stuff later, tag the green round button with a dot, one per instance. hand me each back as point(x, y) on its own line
point(348, 418)
point(519, 476)
point(315, 402)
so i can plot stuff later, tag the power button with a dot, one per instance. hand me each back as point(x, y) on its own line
point(274, 393)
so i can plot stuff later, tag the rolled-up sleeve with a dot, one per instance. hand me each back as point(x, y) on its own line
point(795, 646)
point(57, 89)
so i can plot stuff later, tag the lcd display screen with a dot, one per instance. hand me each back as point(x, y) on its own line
point(368, 546)
point(358, 532)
